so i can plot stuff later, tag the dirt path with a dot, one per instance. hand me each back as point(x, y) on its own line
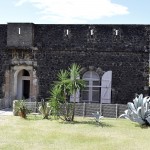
point(6, 112)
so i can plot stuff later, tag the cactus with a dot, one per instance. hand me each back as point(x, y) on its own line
point(138, 111)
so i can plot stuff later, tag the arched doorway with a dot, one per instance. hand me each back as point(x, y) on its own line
point(23, 84)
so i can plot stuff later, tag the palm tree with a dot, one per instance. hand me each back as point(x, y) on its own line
point(68, 84)
point(63, 76)
point(55, 100)
point(62, 84)
point(74, 83)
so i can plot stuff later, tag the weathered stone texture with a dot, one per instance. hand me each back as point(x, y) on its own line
point(120, 48)
point(124, 54)
point(20, 35)
point(4, 57)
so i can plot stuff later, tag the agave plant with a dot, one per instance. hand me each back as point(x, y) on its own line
point(44, 109)
point(97, 116)
point(138, 111)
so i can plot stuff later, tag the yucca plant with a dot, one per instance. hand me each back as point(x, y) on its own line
point(138, 111)
point(45, 109)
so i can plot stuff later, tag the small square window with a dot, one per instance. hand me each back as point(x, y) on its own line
point(19, 31)
point(92, 32)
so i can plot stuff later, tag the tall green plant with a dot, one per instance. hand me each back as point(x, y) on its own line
point(62, 84)
point(68, 83)
point(55, 101)
point(74, 83)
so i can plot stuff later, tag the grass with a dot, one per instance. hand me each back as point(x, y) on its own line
point(84, 134)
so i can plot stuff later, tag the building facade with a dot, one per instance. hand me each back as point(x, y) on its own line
point(114, 60)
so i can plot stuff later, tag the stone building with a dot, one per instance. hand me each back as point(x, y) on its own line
point(114, 60)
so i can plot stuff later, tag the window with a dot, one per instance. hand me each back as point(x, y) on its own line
point(116, 32)
point(91, 92)
point(25, 73)
point(66, 32)
point(19, 30)
point(92, 32)
point(117, 35)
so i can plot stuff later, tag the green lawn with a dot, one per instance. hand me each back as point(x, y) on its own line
point(37, 134)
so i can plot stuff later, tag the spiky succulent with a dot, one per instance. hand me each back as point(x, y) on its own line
point(138, 111)
point(97, 116)
point(45, 109)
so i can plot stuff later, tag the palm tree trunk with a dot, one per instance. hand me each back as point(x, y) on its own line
point(74, 103)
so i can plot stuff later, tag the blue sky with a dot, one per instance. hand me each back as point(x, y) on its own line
point(75, 11)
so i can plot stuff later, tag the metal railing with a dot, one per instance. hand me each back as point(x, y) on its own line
point(86, 109)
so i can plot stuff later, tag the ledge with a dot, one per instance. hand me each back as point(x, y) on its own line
point(24, 62)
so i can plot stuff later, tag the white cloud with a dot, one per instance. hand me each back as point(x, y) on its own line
point(20, 2)
point(76, 11)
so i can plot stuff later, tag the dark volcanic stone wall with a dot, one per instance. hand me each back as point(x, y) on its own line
point(124, 54)
point(20, 35)
point(4, 57)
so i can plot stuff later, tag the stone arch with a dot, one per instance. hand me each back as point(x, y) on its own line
point(98, 70)
point(26, 75)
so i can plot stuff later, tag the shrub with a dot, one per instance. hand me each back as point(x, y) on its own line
point(19, 108)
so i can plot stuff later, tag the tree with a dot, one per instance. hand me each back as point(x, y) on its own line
point(74, 83)
point(68, 83)
point(62, 85)
point(55, 101)
point(63, 76)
